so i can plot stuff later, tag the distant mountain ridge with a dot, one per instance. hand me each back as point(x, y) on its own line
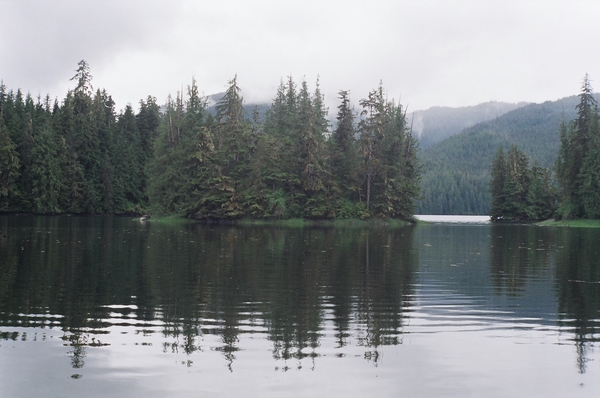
point(456, 171)
point(438, 123)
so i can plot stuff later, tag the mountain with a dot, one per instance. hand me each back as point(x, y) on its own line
point(456, 171)
point(438, 123)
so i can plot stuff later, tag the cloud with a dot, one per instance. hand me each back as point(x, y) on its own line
point(426, 52)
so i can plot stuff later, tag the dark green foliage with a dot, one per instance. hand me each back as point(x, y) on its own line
point(541, 197)
point(456, 171)
point(48, 168)
point(75, 156)
point(225, 160)
point(126, 167)
point(519, 192)
point(181, 151)
point(81, 156)
point(456, 174)
point(389, 168)
point(9, 169)
point(344, 161)
point(498, 173)
point(578, 164)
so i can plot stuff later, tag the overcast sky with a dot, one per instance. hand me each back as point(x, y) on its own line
point(427, 53)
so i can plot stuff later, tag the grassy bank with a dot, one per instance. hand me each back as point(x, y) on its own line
point(170, 220)
point(347, 223)
point(571, 223)
point(293, 222)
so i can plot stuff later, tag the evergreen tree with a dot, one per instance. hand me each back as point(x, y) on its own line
point(344, 160)
point(588, 180)
point(312, 126)
point(9, 169)
point(148, 120)
point(79, 156)
point(371, 133)
point(100, 169)
point(497, 182)
point(25, 144)
point(227, 166)
point(402, 176)
point(182, 161)
point(541, 197)
point(390, 169)
point(127, 166)
point(64, 125)
point(281, 194)
point(578, 141)
point(49, 189)
point(519, 192)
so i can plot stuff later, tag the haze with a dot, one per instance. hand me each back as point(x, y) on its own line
point(427, 53)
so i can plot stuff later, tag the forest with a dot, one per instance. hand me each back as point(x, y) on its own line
point(79, 156)
point(520, 192)
point(455, 175)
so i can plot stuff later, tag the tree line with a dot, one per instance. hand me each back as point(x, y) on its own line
point(80, 156)
point(570, 190)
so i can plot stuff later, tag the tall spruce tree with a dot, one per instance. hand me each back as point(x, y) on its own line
point(343, 142)
point(49, 189)
point(401, 171)
point(281, 195)
point(576, 165)
point(497, 182)
point(388, 150)
point(9, 169)
point(371, 129)
point(182, 161)
point(310, 153)
point(228, 166)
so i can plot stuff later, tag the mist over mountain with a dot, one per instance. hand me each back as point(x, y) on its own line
point(438, 123)
point(456, 171)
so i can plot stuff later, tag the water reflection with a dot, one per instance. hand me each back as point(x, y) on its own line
point(520, 254)
point(578, 285)
point(523, 256)
point(87, 275)
point(309, 293)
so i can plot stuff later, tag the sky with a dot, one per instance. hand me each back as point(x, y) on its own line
point(425, 52)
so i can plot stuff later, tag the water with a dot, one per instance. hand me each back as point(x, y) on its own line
point(453, 219)
point(112, 307)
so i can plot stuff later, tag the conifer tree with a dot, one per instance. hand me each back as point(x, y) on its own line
point(343, 139)
point(148, 120)
point(9, 169)
point(519, 193)
point(388, 150)
point(371, 134)
point(541, 197)
point(497, 182)
point(228, 165)
point(49, 189)
point(576, 164)
point(310, 152)
point(127, 165)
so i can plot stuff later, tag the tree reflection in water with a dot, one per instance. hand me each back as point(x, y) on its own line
point(309, 292)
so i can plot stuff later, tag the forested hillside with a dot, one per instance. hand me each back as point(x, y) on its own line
point(219, 162)
point(456, 171)
point(438, 123)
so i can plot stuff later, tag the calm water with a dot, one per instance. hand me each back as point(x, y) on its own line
point(101, 307)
